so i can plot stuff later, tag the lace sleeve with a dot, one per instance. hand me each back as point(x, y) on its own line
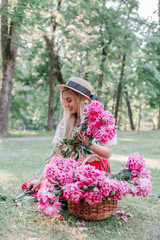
point(59, 135)
point(112, 142)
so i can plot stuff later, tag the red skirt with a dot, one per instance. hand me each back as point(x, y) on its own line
point(96, 164)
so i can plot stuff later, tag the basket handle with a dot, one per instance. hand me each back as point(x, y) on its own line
point(99, 158)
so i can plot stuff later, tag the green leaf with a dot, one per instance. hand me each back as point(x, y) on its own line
point(139, 175)
point(125, 175)
point(90, 141)
point(3, 198)
point(56, 192)
point(109, 169)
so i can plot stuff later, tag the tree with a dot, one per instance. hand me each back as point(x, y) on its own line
point(148, 71)
point(10, 34)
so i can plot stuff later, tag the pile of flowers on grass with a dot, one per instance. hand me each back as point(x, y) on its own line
point(98, 126)
point(65, 177)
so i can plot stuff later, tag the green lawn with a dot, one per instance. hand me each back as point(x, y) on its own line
point(27, 133)
point(20, 161)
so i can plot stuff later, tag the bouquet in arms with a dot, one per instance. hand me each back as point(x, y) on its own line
point(65, 177)
point(98, 126)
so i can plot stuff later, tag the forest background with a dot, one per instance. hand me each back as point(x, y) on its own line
point(44, 43)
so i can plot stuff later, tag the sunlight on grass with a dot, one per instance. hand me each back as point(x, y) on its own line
point(6, 176)
point(150, 162)
point(128, 140)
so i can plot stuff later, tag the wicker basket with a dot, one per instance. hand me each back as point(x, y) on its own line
point(97, 211)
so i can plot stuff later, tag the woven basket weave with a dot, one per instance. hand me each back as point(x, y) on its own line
point(97, 211)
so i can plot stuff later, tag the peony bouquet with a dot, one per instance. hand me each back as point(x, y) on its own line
point(98, 126)
point(69, 179)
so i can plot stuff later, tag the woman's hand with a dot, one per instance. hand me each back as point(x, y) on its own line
point(100, 150)
point(33, 184)
point(83, 139)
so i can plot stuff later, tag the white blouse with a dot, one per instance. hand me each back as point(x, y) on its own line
point(59, 135)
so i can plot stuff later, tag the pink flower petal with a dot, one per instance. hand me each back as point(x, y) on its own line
point(61, 217)
point(122, 212)
point(124, 218)
point(80, 223)
point(129, 214)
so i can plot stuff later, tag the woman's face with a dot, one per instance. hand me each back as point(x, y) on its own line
point(70, 102)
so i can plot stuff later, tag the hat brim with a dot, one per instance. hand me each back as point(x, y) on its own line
point(62, 86)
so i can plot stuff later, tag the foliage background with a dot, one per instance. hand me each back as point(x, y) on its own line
point(90, 41)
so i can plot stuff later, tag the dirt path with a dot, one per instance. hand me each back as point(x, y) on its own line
point(37, 138)
point(17, 139)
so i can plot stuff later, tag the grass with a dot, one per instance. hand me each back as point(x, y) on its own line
point(21, 161)
point(27, 133)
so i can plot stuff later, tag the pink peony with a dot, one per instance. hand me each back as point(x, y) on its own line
point(88, 175)
point(58, 161)
point(136, 163)
point(143, 186)
point(45, 196)
point(93, 197)
point(114, 189)
point(66, 178)
point(110, 120)
point(105, 189)
point(73, 193)
point(104, 134)
point(69, 164)
point(146, 173)
point(51, 209)
point(51, 172)
point(49, 186)
point(93, 110)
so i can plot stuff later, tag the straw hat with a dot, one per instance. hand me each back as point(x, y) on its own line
point(78, 85)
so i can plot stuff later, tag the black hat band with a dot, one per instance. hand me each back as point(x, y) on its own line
point(79, 87)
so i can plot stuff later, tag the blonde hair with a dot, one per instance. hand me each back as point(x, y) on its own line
point(70, 119)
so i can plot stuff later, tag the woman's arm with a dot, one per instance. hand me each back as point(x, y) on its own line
point(102, 151)
point(35, 183)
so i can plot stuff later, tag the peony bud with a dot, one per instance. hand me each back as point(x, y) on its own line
point(85, 187)
point(95, 189)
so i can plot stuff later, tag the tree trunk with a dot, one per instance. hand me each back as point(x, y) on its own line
point(9, 42)
point(129, 110)
point(119, 90)
point(139, 118)
point(58, 71)
point(159, 12)
point(159, 118)
point(159, 32)
point(100, 80)
point(50, 46)
point(8, 70)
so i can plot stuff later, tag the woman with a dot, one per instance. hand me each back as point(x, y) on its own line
point(74, 96)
